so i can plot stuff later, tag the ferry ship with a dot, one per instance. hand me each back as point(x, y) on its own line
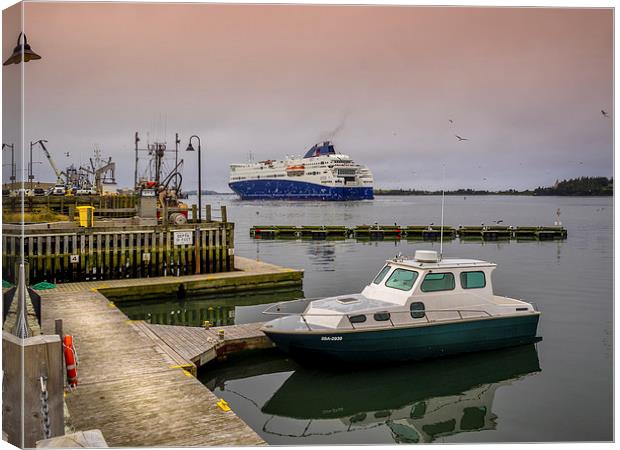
point(322, 174)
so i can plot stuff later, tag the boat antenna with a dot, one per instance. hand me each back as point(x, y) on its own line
point(443, 195)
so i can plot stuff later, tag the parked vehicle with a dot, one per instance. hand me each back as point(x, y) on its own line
point(86, 191)
point(59, 189)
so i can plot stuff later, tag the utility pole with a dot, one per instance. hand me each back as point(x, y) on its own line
point(177, 141)
point(135, 173)
point(30, 175)
point(13, 169)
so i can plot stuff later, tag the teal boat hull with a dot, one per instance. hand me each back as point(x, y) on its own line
point(398, 344)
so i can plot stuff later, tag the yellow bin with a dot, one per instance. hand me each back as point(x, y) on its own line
point(87, 215)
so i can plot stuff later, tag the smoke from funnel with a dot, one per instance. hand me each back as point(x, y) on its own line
point(331, 134)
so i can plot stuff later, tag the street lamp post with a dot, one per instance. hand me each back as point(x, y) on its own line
point(21, 53)
point(12, 146)
point(30, 174)
point(190, 148)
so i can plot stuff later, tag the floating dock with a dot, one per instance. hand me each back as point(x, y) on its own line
point(135, 381)
point(411, 232)
point(193, 347)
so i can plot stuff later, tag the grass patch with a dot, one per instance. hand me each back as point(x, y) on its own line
point(41, 215)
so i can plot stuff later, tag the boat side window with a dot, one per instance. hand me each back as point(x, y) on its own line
point(402, 279)
point(360, 318)
point(381, 275)
point(434, 282)
point(473, 280)
point(417, 310)
point(382, 316)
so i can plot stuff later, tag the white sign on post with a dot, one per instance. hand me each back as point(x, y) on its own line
point(183, 237)
point(74, 258)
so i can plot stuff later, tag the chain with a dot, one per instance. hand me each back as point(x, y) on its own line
point(47, 433)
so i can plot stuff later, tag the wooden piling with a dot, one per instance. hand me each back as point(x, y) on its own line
point(22, 406)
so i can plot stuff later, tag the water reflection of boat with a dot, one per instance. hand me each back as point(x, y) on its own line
point(419, 403)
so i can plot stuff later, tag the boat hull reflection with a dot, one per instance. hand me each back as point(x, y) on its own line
point(418, 403)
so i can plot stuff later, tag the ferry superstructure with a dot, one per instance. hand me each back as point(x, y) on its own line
point(322, 174)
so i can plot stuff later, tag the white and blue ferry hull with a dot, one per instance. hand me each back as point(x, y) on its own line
point(298, 190)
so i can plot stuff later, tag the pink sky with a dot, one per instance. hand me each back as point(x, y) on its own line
point(526, 86)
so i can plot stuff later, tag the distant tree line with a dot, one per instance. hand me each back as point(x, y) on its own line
point(576, 187)
point(582, 186)
point(464, 192)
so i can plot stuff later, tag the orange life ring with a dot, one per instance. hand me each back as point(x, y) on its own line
point(70, 360)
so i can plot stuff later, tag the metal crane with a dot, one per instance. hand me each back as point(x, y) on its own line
point(57, 172)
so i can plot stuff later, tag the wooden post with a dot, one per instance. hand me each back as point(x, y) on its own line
point(58, 328)
point(197, 249)
point(194, 213)
point(224, 214)
point(42, 357)
point(211, 268)
point(207, 213)
point(164, 215)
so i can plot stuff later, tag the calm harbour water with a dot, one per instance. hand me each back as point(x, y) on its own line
point(561, 389)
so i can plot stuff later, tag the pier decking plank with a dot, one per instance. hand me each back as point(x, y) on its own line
point(127, 387)
point(199, 345)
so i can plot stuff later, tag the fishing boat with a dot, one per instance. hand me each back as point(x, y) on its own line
point(322, 174)
point(417, 308)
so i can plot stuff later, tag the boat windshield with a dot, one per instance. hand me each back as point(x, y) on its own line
point(402, 279)
point(381, 275)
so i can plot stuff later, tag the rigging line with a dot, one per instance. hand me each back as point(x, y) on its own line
point(327, 433)
point(443, 194)
point(242, 396)
point(307, 426)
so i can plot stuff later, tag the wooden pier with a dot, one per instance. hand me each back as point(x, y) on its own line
point(249, 275)
point(135, 379)
point(131, 391)
point(65, 252)
point(433, 232)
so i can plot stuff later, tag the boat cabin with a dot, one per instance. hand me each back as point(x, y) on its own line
point(423, 289)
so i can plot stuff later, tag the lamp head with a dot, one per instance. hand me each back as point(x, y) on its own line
point(190, 147)
point(22, 52)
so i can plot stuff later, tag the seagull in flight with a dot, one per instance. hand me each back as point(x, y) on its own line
point(67, 154)
point(461, 138)
point(604, 113)
point(451, 121)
